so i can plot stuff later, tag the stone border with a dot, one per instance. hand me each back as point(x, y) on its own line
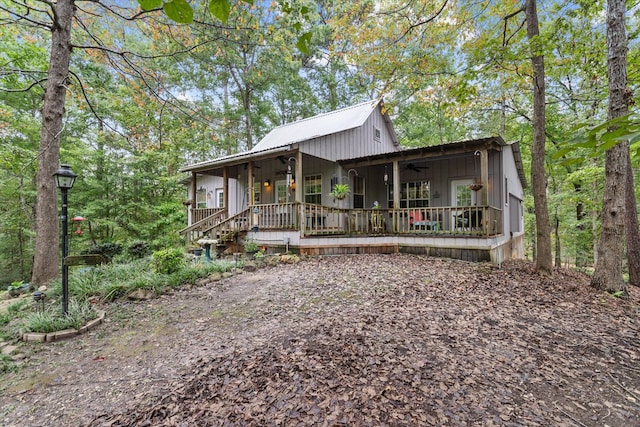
point(64, 334)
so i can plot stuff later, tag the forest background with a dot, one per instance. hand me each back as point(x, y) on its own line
point(146, 95)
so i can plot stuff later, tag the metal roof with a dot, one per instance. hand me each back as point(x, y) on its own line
point(281, 137)
point(317, 126)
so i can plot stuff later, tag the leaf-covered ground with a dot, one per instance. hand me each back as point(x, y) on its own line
point(366, 340)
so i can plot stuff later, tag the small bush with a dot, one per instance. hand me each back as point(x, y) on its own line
point(51, 320)
point(250, 246)
point(108, 249)
point(139, 249)
point(168, 261)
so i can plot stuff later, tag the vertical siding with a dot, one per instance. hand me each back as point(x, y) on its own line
point(353, 143)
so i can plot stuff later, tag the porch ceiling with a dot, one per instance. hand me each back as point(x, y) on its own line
point(452, 149)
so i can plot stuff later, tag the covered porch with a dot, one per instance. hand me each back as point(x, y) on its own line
point(317, 220)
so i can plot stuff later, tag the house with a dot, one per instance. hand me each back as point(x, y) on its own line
point(460, 200)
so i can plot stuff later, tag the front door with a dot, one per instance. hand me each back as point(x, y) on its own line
point(461, 196)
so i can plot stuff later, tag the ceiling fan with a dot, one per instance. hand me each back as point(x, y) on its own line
point(415, 168)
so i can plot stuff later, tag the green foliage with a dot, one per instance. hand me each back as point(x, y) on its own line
point(250, 246)
point(594, 141)
point(108, 249)
point(6, 364)
point(51, 320)
point(168, 261)
point(17, 306)
point(138, 249)
point(15, 285)
point(179, 11)
point(340, 191)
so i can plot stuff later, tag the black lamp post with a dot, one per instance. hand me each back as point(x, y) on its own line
point(64, 181)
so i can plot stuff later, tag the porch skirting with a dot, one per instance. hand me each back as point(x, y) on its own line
point(494, 250)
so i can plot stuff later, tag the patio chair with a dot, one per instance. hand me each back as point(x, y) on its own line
point(418, 221)
point(469, 219)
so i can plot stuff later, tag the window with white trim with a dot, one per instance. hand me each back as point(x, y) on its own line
point(313, 189)
point(414, 194)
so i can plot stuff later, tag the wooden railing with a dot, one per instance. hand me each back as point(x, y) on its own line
point(460, 220)
point(198, 214)
point(198, 229)
point(482, 221)
point(283, 216)
point(227, 229)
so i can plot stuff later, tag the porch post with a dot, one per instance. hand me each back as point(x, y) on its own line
point(250, 183)
point(396, 185)
point(225, 188)
point(484, 177)
point(194, 186)
point(299, 178)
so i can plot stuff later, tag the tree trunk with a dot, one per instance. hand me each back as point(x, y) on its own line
point(46, 254)
point(608, 271)
point(556, 231)
point(544, 260)
point(632, 229)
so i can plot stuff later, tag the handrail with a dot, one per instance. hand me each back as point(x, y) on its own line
point(207, 223)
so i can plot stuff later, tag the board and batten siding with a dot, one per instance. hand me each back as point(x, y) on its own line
point(353, 143)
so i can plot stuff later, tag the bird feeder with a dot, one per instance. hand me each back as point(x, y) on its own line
point(77, 220)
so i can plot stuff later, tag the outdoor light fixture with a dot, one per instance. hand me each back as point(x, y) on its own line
point(289, 175)
point(267, 183)
point(38, 297)
point(65, 178)
point(290, 179)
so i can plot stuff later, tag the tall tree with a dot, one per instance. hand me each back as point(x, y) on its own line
point(608, 270)
point(544, 260)
point(632, 230)
point(45, 261)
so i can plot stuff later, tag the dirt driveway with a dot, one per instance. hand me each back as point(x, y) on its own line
point(365, 340)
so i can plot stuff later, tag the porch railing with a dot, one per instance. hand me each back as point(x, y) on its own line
point(199, 228)
point(453, 221)
point(282, 216)
point(198, 214)
point(481, 221)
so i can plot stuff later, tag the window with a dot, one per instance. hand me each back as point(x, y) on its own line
point(358, 192)
point(219, 198)
point(281, 191)
point(377, 135)
point(506, 190)
point(313, 189)
point(201, 197)
point(461, 194)
point(414, 194)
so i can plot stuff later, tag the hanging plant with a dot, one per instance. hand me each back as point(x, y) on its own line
point(340, 191)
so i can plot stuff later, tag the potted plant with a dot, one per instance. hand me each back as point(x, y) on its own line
point(17, 287)
point(340, 191)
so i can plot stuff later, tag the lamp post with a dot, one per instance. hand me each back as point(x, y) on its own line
point(65, 179)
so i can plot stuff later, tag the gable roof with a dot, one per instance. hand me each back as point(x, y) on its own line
point(281, 137)
point(320, 125)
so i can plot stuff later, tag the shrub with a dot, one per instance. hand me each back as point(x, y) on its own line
point(250, 246)
point(108, 249)
point(168, 261)
point(51, 320)
point(138, 249)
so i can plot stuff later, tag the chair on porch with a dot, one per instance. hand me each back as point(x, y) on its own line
point(377, 222)
point(418, 221)
point(469, 219)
